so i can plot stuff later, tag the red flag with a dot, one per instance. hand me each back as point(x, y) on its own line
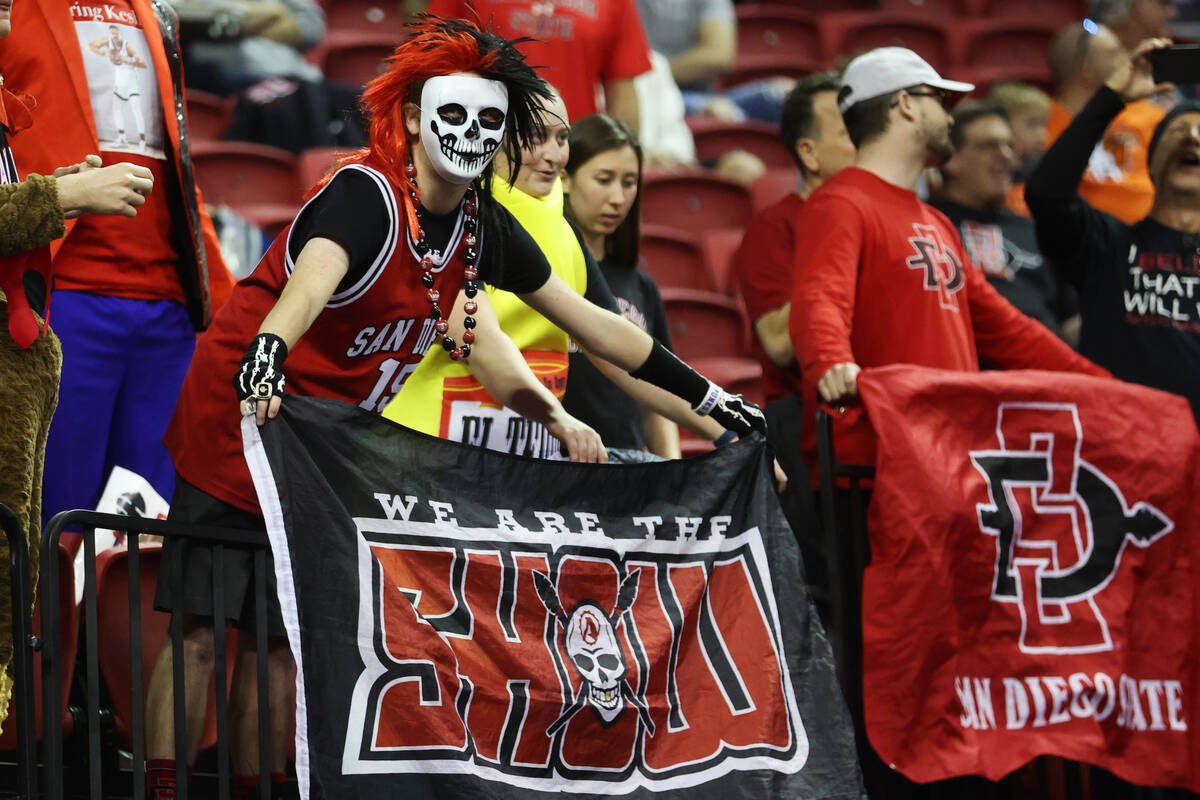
point(1032, 588)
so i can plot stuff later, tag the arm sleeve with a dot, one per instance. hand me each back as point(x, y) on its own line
point(1007, 338)
point(1070, 232)
point(514, 263)
point(764, 263)
point(829, 241)
point(628, 54)
point(350, 210)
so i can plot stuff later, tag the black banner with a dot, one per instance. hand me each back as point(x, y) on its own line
point(469, 624)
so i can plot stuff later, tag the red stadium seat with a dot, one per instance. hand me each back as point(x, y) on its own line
point(850, 34)
point(372, 16)
point(714, 138)
point(758, 69)
point(256, 181)
point(112, 605)
point(719, 247)
point(68, 645)
point(705, 324)
point(208, 115)
point(1051, 12)
point(356, 60)
point(674, 259)
point(985, 78)
point(694, 201)
point(1002, 43)
point(766, 30)
point(940, 8)
point(315, 162)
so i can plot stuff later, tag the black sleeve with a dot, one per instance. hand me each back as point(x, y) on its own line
point(1070, 232)
point(510, 259)
point(352, 211)
point(659, 328)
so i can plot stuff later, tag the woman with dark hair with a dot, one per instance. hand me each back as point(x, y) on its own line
point(383, 262)
point(603, 183)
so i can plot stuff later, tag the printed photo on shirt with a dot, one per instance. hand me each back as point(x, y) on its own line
point(121, 81)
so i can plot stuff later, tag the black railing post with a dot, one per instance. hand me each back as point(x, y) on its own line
point(264, 687)
point(23, 644)
point(52, 733)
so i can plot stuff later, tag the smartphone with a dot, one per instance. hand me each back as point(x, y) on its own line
point(1178, 64)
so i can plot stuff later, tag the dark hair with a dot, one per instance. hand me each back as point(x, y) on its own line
point(867, 120)
point(967, 112)
point(591, 136)
point(797, 121)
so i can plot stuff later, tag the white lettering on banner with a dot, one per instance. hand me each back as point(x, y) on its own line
point(1046, 700)
point(104, 13)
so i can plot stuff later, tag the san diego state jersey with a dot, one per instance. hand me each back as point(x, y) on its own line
point(362, 347)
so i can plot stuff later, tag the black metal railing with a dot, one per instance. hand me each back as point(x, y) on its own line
point(52, 665)
point(21, 707)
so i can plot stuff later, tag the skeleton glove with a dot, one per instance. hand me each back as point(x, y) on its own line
point(260, 377)
point(733, 411)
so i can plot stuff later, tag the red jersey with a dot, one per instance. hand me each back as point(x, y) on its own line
point(763, 268)
point(882, 278)
point(360, 349)
point(578, 46)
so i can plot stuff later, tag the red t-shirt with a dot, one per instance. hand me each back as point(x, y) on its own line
point(763, 268)
point(115, 255)
point(582, 44)
point(882, 278)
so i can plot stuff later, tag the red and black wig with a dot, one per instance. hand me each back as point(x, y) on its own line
point(437, 46)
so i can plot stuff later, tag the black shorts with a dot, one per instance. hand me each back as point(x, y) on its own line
point(193, 506)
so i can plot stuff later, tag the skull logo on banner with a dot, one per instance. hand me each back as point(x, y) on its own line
point(462, 124)
point(590, 639)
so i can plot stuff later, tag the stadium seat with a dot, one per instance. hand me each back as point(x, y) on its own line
point(705, 324)
point(372, 16)
point(758, 69)
point(208, 115)
point(1051, 12)
point(315, 162)
point(357, 59)
point(773, 186)
point(776, 30)
point(850, 34)
point(694, 201)
point(1020, 45)
point(68, 645)
point(719, 247)
point(674, 259)
point(112, 605)
point(255, 180)
point(715, 137)
point(944, 9)
point(985, 78)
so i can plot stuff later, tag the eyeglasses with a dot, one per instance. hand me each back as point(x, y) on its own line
point(940, 95)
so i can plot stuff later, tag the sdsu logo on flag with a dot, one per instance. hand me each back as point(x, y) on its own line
point(1033, 541)
point(467, 623)
point(1060, 526)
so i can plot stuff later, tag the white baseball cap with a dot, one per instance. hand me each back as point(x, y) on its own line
point(887, 69)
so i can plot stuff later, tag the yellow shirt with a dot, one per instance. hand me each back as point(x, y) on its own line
point(442, 397)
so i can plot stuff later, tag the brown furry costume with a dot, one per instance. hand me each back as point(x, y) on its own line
point(30, 217)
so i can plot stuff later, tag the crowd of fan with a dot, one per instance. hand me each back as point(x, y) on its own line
point(1068, 206)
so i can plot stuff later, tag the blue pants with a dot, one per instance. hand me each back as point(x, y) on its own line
point(123, 365)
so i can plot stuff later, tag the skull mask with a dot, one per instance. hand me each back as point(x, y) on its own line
point(591, 644)
point(462, 123)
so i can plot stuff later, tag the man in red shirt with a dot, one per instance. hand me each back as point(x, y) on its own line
point(579, 47)
point(882, 278)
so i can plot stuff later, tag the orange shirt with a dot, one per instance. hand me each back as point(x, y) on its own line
point(1117, 180)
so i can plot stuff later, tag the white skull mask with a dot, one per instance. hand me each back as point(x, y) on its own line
point(592, 646)
point(462, 123)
